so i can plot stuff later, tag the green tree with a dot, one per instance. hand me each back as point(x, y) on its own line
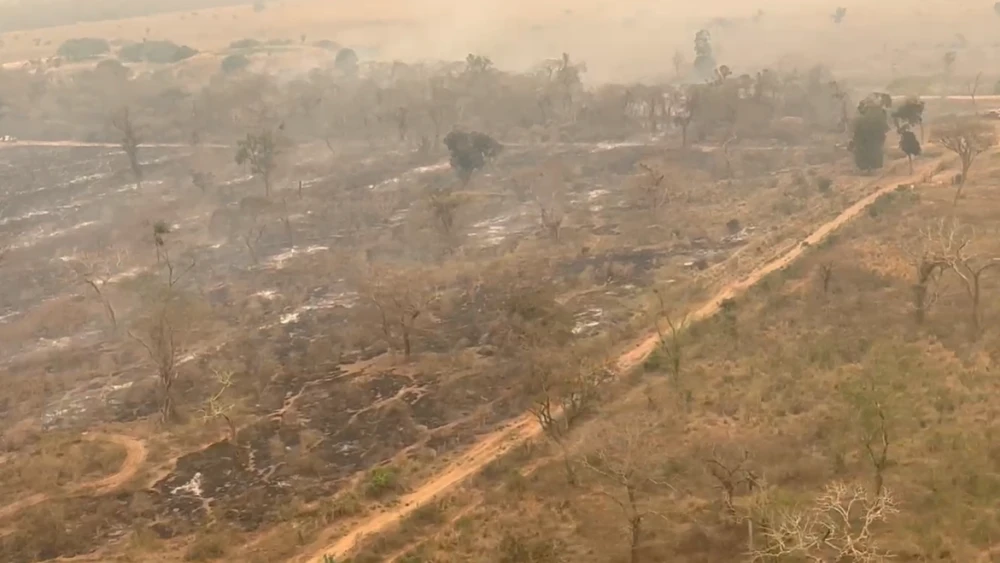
point(909, 144)
point(910, 114)
point(869, 132)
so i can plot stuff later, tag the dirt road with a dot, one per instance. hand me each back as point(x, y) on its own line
point(81, 144)
point(135, 456)
point(525, 427)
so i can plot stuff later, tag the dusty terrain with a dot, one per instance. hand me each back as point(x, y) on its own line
point(268, 312)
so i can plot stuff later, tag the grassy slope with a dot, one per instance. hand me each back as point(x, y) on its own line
point(779, 376)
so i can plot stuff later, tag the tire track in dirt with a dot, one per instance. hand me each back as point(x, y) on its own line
point(135, 456)
point(525, 427)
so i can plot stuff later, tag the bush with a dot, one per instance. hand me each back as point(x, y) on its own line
point(234, 63)
point(327, 44)
point(347, 60)
point(83, 48)
point(824, 184)
point(245, 44)
point(156, 52)
point(381, 480)
point(207, 547)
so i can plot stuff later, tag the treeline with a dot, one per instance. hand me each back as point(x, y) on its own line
point(35, 14)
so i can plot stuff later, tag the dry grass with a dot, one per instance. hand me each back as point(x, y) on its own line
point(783, 376)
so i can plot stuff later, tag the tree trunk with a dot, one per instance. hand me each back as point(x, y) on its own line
point(909, 157)
point(636, 527)
point(919, 298)
point(976, 321)
point(407, 348)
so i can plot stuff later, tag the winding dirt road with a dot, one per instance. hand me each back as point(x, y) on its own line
point(135, 456)
point(525, 427)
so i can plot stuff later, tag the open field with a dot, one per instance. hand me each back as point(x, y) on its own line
point(329, 287)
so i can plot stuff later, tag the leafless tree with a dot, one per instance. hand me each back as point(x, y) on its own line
point(216, 408)
point(735, 478)
point(624, 460)
point(838, 527)
point(564, 388)
point(96, 272)
point(174, 274)
point(953, 249)
point(159, 337)
point(444, 206)
point(826, 275)
point(967, 138)
point(251, 239)
point(549, 192)
point(688, 104)
point(260, 151)
point(671, 345)
point(973, 88)
point(130, 139)
point(400, 298)
point(652, 189)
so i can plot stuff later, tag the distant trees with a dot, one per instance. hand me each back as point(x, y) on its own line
point(260, 151)
point(470, 151)
point(967, 138)
point(870, 128)
point(129, 141)
point(839, 14)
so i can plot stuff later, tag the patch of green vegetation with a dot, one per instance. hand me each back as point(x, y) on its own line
point(381, 481)
point(83, 48)
point(156, 52)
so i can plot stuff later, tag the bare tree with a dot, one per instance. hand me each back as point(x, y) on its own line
point(96, 272)
point(216, 408)
point(735, 478)
point(444, 206)
point(672, 345)
point(260, 150)
point(967, 138)
point(548, 189)
point(400, 298)
point(838, 527)
point(564, 388)
point(952, 247)
point(129, 141)
point(652, 191)
point(174, 274)
point(826, 275)
point(251, 239)
point(158, 335)
point(625, 462)
point(973, 88)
